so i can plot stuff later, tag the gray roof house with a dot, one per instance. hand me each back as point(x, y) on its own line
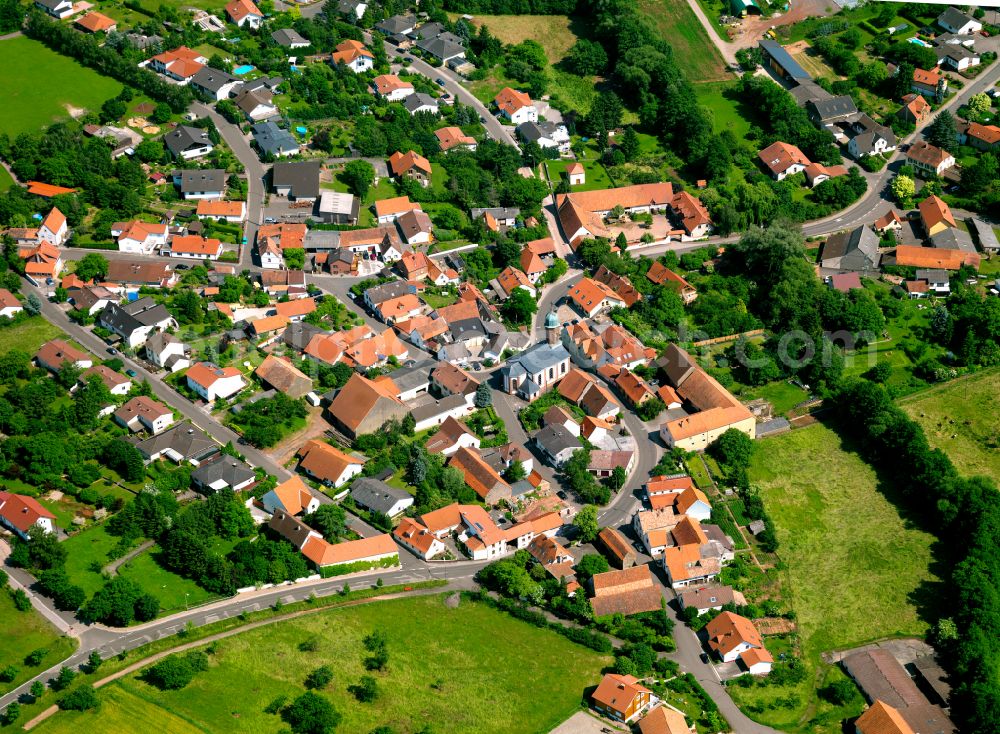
point(956, 21)
point(441, 48)
point(143, 42)
point(396, 24)
point(225, 472)
point(413, 380)
point(290, 38)
point(377, 496)
point(855, 250)
point(183, 442)
point(954, 239)
point(273, 140)
point(828, 111)
point(135, 321)
point(984, 234)
point(216, 84)
point(186, 142)
point(356, 8)
point(299, 181)
point(556, 443)
point(201, 183)
point(420, 102)
point(298, 334)
point(378, 294)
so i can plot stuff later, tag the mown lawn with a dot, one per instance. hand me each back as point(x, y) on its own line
point(439, 673)
point(855, 568)
point(29, 335)
point(959, 417)
point(696, 54)
point(726, 112)
point(6, 181)
point(40, 86)
point(596, 175)
point(24, 632)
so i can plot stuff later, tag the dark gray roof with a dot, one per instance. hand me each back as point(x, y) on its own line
point(465, 329)
point(50, 4)
point(954, 18)
point(429, 30)
point(396, 24)
point(302, 177)
point(832, 108)
point(954, 239)
point(202, 179)
point(932, 275)
point(288, 36)
point(130, 317)
point(955, 52)
point(349, 6)
point(394, 289)
point(212, 79)
point(376, 495)
point(413, 102)
point(784, 59)
point(227, 468)
point(808, 90)
point(861, 239)
point(410, 378)
point(142, 42)
point(984, 233)
point(268, 83)
point(440, 48)
point(555, 438)
point(532, 132)
point(186, 440)
point(499, 212)
point(430, 408)
point(274, 140)
point(451, 38)
point(540, 357)
point(185, 137)
point(298, 334)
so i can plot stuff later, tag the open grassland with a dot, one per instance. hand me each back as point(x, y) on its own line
point(41, 86)
point(856, 570)
point(678, 25)
point(959, 418)
point(438, 672)
point(23, 632)
point(29, 335)
point(727, 114)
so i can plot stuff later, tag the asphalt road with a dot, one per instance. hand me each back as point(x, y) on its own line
point(163, 392)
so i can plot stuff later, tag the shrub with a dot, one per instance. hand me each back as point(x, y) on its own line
point(83, 698)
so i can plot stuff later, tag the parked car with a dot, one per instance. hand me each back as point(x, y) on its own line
point(182, 266)
point(131, 373)
point(270, 220)
point(439, 81)
point(112, 350)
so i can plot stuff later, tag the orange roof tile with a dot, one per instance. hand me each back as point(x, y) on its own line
point(510, 100)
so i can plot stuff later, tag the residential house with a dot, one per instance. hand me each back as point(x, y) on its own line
point(391, 88)
point(855, 250)
point(397, 25)
point(274, 141)
point(480, 476)
point(115, 382)
point(509, 280)
point(441, 48)
point(621, 697)
point(181, 443)
point(451, 436)
point(915, 109)
point(223, 472)
point(716, 408)
point(591, 297)
point(927, 158)
point(938, 281)
point(417, 539)
point(244, 13)
point(733, 637)
point(167, 351)
point(298, 181)
point(783, 160)
point(932, 257)
point(292, 497)
point(870, 138)
point(284, 377)
point(955, 21)
point(144, 413)
point(328, 464)
point(201, 183)
point(95, 22)
point(135, 321)
point(981, 137)
point(956, 57)
point(533, 371)
point(881, 718)
point(53, 354)
point(817, 173)
point(629, 591)
point(935, 216)
point(42, 261)
point(450, 138)
point(214, 383)
point(497, 218)
point(290, 38)
point(516, 107)
point(56, 8)
point(691, 214)
point(634, 388)
point(186, 143)
point(662, 275)
point(193, 247)
point(180, 64)
point(556, 443)
point(710, 598)
point(10, 306)
point(20, 513)
point(664, 719)
point(352, 8)
point(411, 165)
point(54, 230)
point(377, 496)
point(582, 213)
point(353, 55)
point(215, 84)
point(532, 265)
point(888, 222)
point(620, 284)
point(256, 104)
point(420, 102)
point(416, 227)
point(450, 379)
point(363, 406)
point(929, 83)
point(233, 212)
point(548, 135)
point(140, 238)
point(132, 274)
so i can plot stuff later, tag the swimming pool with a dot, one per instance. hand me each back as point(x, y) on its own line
point(301, 130)
point(919, 42)
point(241, 70)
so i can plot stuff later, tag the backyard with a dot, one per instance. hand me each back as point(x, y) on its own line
point(437, 672)
point(856, 570)
point(42, 86)
point(33, 633)
point(959, 418)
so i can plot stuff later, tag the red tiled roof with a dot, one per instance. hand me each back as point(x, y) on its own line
point(22, 511)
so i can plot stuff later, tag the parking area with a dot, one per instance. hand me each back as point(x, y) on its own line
point(584, 722)
point(280, 209)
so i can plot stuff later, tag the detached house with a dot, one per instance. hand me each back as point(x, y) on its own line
point(54, 228)
point(733, 637)
point(783, 160)
point(450, 138)
point(915, 109)
point(207, 183)
point(143, 413)
point(193, 247)
point(56, 8)
point(591, 297)
point(140, 238)
point(167, 351)
point(936, 216)
point(354, 56)
point(19, 513)
point(215, 84)
point(214, 383)
point(930, 83)
point(244, 13)
point(134, 322)
point(955, 21)
point(515, 106)
point(54, 354)
point(621, 697)
point(411, 165)
point(928, 158)
point(186, 143)
point(391, 88)
point(291, 496)
point(181, 64)
point(10, 306)
point(328, 464)
point(377, 496)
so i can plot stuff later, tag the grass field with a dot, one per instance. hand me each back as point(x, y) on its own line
point(42, 85)
point(695, 52)
point(32, 633)
point(439, 672)
point(29, 335)
point(726, 113)
point(971, 440)
point(6, 181)
point(856, 570)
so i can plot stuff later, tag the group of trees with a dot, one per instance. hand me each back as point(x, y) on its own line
point(966, 519)
point(265, 422)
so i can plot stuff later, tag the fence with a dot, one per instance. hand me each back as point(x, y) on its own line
point(729, 338)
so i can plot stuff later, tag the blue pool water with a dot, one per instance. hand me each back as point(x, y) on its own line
point(241, 70)
point(919, 42)
point(301, 130)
